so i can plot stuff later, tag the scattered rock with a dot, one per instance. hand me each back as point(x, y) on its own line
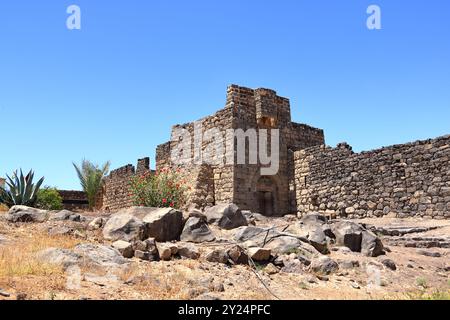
point(357, 239)
point(188, 251)
point(390, 264)
point(164, 224)
point(324, 265)
point(294, 266)
point(124, 247)
point(100, 255)
point(66, 215)
point(313, 219)
point(97, 223)
point(63, 257)
point(371, 245)
point(238, 255)
point(144, 255)
point(166, 250)
point(123, 226)
point(348, 234)
point(60, 231)
point(196, 230)
point(4, 294)
point(26, 214)
point(218, 256)
point(226, 216)
point(270, 269)
point(259, 254)
point(348, 264)
point(429, 253)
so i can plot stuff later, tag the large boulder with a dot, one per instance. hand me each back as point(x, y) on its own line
point(124, 226)
point(313, 219)
point(355, 237)
point(83, 254)
point(26, 214)
point(226, 216)
point(278, 242)
point(66, 215)
point(196, 230)
point(348, 234)
point(324, 265)
point(163, 224)
point(100, 255)
point(371, 245)
point(62, 257)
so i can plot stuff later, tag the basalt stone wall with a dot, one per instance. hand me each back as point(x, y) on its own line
point(242, 183)
point(74, 200)
point(115, 193)
point(404, 180)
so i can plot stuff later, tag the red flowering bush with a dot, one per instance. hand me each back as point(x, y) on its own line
point(165, 188)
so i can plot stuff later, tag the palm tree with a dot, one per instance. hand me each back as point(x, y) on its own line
point(91, 176)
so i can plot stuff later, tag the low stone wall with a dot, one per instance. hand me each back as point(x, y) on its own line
point(406, 180)
point(74, 200)
point(116, 188)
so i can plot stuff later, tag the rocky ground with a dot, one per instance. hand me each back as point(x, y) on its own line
point(222, 253)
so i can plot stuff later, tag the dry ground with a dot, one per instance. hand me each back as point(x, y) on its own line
point(23, 276)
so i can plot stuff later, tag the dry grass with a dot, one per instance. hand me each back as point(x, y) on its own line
point(18, 258)
point(3, 208)
point(21, 271)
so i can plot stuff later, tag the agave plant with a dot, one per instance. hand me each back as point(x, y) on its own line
point(21, 190)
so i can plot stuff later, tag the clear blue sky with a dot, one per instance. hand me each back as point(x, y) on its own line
point(112, 90)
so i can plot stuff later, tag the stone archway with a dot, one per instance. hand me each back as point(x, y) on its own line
point(267, 196)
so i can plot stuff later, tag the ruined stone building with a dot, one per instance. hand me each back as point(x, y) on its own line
point(409, 179)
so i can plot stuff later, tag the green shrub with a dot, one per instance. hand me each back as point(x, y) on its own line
point(49, 199)
point(162, 189)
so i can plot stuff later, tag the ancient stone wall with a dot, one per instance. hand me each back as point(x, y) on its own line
point(74, 200)
point(404, 180)
point(115, 193)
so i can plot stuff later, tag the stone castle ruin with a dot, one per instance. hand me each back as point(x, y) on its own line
point(406, 180)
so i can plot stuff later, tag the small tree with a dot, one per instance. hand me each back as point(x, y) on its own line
point(91, 177)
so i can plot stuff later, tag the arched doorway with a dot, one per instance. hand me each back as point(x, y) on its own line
point(266, 195)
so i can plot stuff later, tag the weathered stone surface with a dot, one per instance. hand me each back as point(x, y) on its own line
point(226, 216)
point(217, 255)
point(188, 251)
point(123, 226)
point(278, 242)
point(60, 231)
point(124, 247)
point(348, 234)
point(383, 182)
point(313, 219)
point(63, 257)
point(429, 253)
point(259, 254)
point(371, 245)
point(97, 223)
point(238, 255)
point(26, 214)
point(164, 224)
point(293, 266)
point(100, 255)
point(166, 250)
point(324, 265)
point(197, 230)
point(390, 264)
point(66, 215)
